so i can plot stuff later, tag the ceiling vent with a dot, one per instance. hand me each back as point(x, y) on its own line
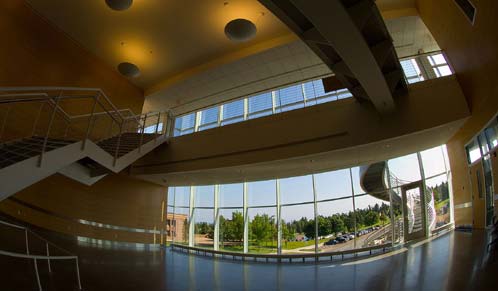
point(240, 30)
point(119, 5)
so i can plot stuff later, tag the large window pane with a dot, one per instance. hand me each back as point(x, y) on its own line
point(336, 223)
point(208, 118)
point(204, 196)
point(231, 195)
point(404, 170)
point(233, 112)
point(298, 228)
point(433, 162)
point(439, 65)
point(260, 105)
point(473, 151)
point(439, 201)
point(357, 181)
point(262, 230)
point(262, 193)
point(492, 133)
point(331, 185)
point(296, 190)
point(412, 71)
point(231, 229)
point(373, 221)
point(184, 124)
point(203, 227)
point(182, 196)
point(180, 224)
point(290, 98)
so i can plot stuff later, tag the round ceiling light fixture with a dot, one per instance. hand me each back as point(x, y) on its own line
point(119, 5)
point(240, 30)
point(129, 70)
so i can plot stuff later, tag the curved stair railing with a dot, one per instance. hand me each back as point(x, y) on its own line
point(37, 120)
point(27, 255)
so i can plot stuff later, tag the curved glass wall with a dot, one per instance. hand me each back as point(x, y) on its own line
point(323, 212)
point(416, 69)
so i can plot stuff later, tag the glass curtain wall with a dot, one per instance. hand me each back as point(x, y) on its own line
point(231, 217)
point(203, 216)
point(275, 101)
point(416, 69)
point(323, 212)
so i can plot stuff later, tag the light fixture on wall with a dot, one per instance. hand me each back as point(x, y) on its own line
point(129, 70)
point(240, 30)
point(119, 5)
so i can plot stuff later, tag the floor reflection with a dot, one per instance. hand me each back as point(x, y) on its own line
point(455, 261)
point(437, 264)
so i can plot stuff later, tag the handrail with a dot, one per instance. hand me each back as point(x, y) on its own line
point(279, 257)
point(47, 257)
point(122, 119)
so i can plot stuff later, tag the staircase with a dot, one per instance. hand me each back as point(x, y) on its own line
point(16, 151)
point(374, 182)
point(40, 135)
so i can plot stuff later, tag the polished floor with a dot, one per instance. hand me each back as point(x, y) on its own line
point(454, 261)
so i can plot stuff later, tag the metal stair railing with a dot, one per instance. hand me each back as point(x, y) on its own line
point(35, 258)
point(100, 120)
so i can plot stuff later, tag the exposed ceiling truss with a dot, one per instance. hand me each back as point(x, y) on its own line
point(350, 36)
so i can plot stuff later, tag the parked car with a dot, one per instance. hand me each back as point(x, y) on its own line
point(346, 237)
point(351, 236)
point(340, 239)
point(331, 242)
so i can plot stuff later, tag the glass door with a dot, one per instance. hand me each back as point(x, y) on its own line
point(414, 211)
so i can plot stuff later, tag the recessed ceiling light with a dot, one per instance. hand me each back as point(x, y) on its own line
point(119, 5)
point(240, 30)
point(129, 70)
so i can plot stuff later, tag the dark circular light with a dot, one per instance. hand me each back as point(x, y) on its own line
point(240, 30)
point(119, 5)
point(129, 70)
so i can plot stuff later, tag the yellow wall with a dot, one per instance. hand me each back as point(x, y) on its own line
point(35, 53)
point(115, 200)
point(472, 51)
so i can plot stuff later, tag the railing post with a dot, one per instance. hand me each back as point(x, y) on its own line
point(110, 128)
point(78, 274)
point(5, 121)
point(37, 118)
point(142, 134)
point(157, 125)
point(90, 121)
point(67, 130)
point(52, 117)
point(26, 237)
point(118, 142)
point(37, 275)
point(48, 258)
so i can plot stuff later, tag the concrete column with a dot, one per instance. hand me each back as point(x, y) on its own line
point(216, 218)
point(246, 219)
point(354, 206)
point(191, 226)
point(279, 218)
point(315, 211)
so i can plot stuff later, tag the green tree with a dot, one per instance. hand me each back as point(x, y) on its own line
point(262, 228)
point(371, 218)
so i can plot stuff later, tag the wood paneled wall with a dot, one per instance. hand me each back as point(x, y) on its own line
point(36, 53)
point(473, 52)
point(57, 203)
